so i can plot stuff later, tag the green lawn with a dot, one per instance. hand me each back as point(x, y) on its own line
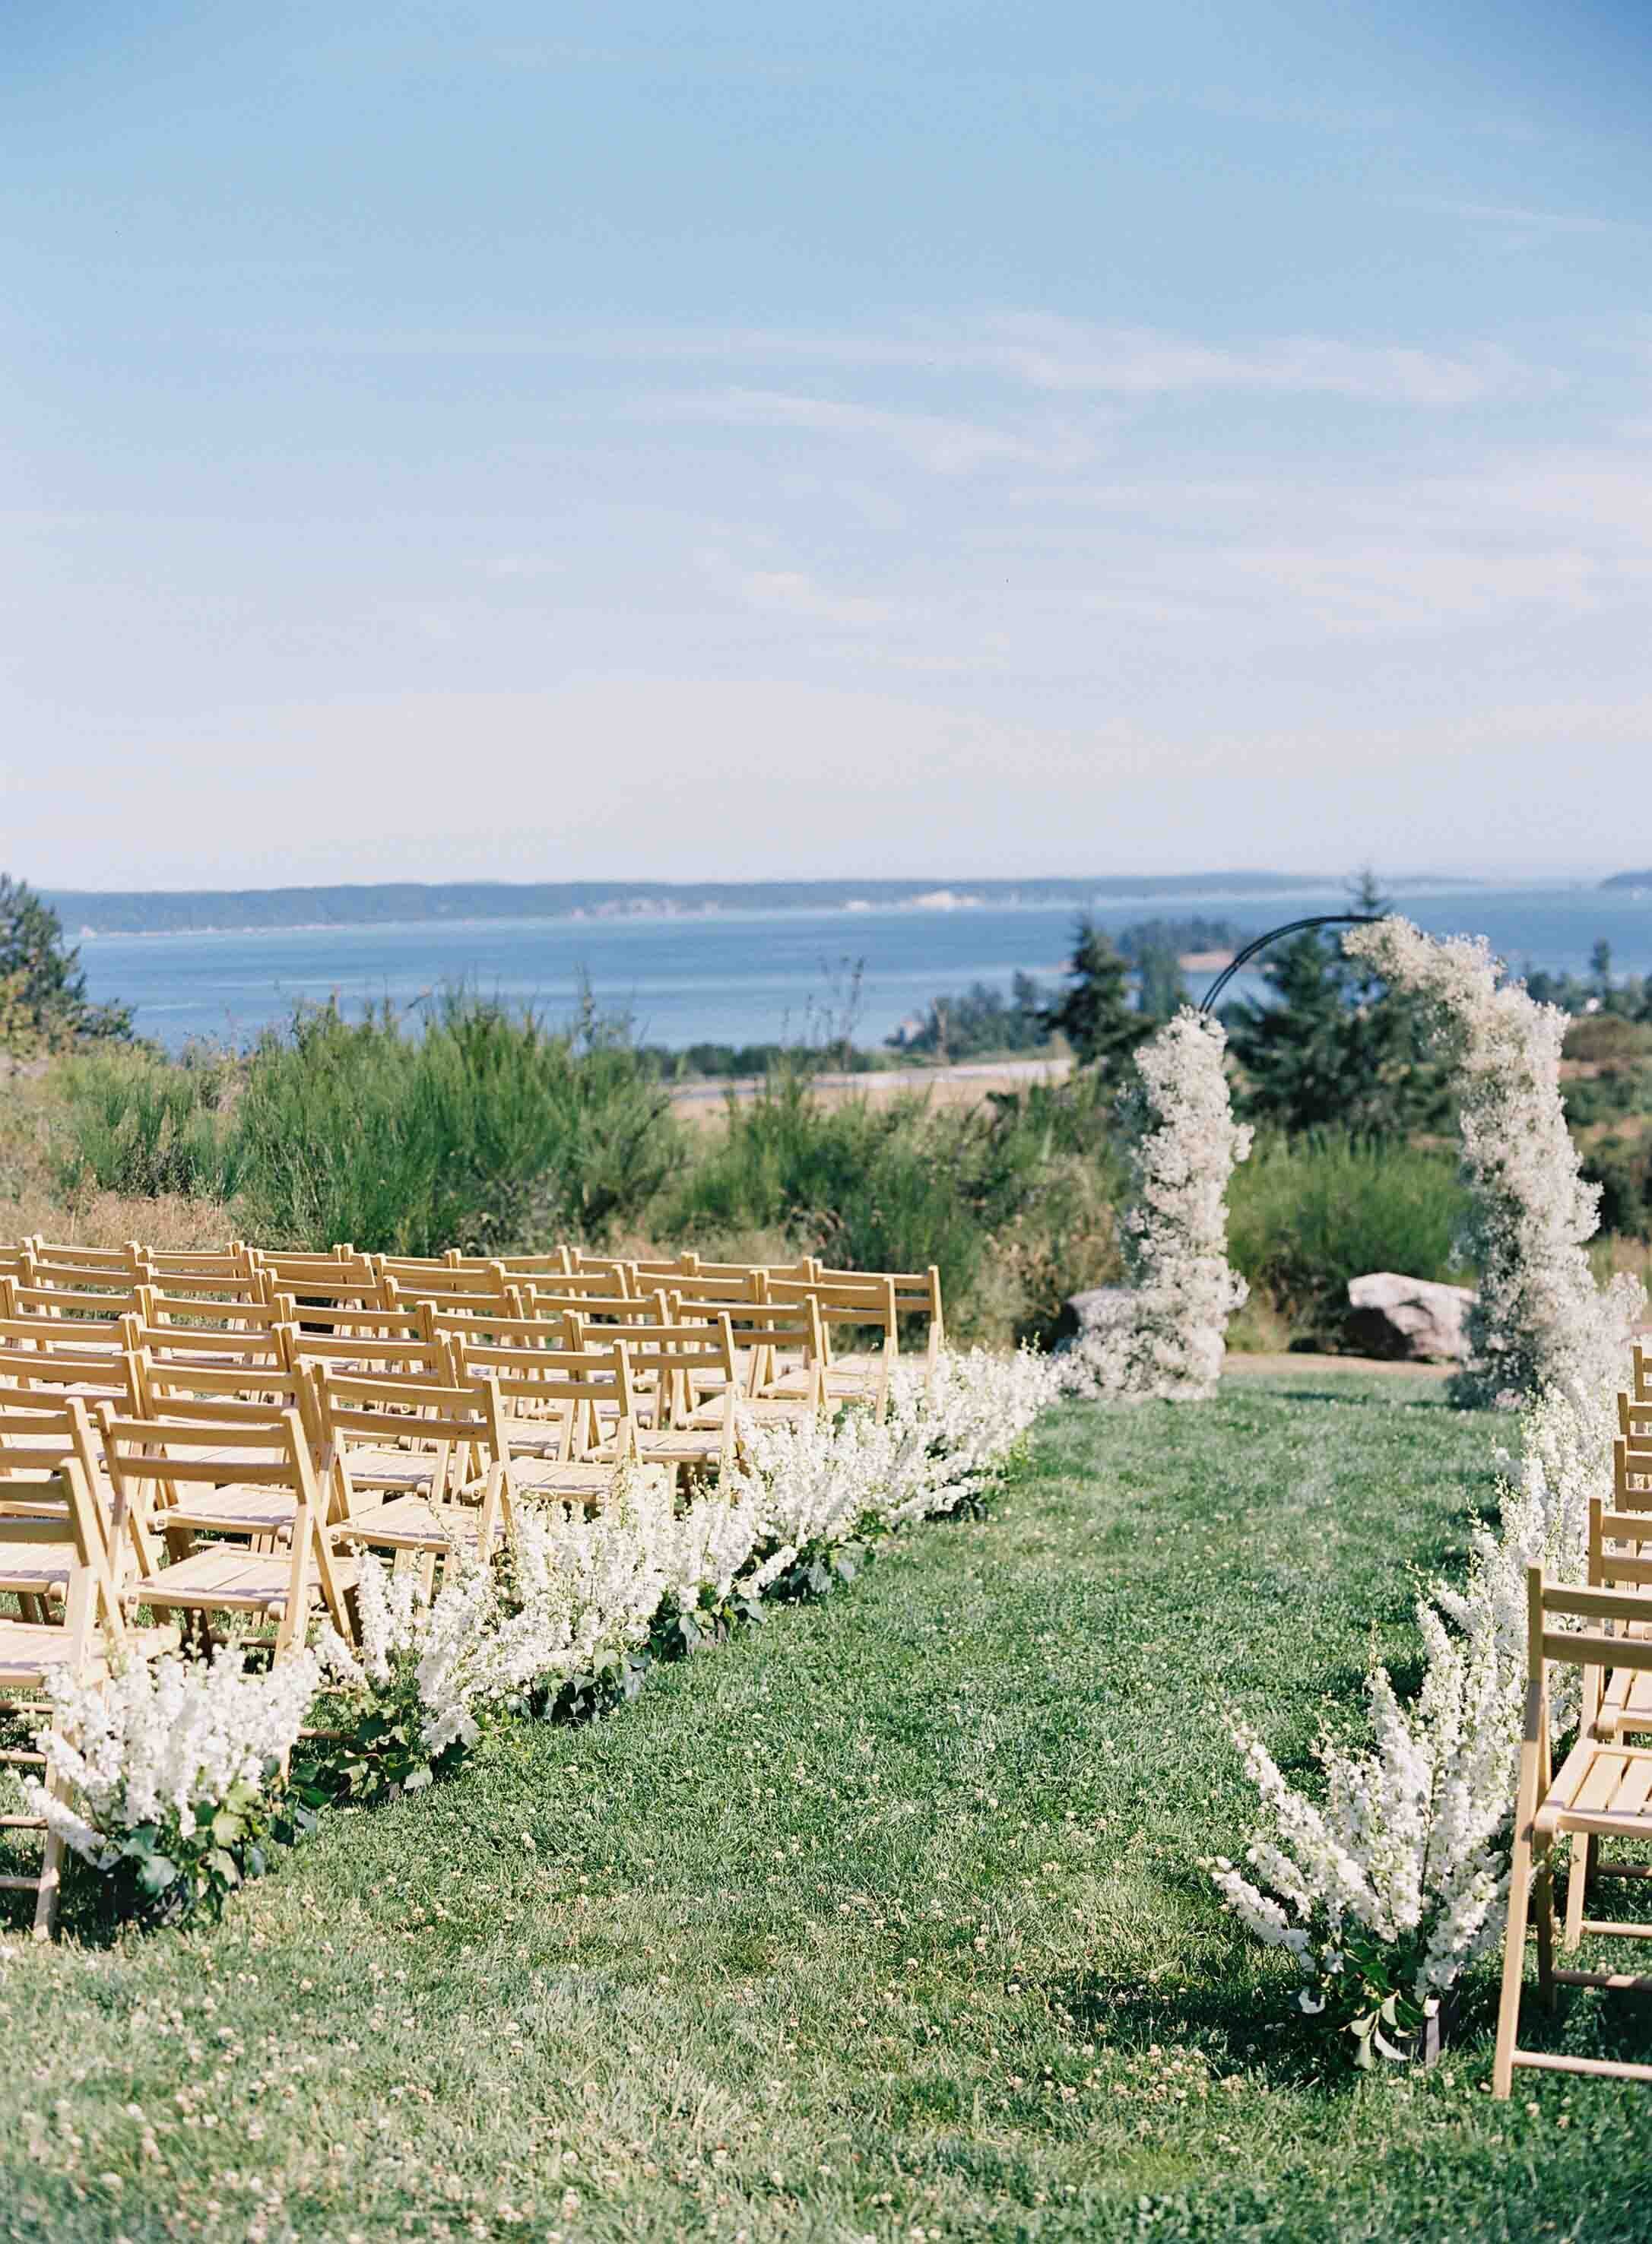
point(882, 1921)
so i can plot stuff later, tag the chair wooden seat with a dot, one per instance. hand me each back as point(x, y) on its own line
point(1602, 1788)
point(703, 1444)
point(40, 1568)
point(231, 1511)
point(231, 1577)
point(845, 1380)
point(577, 1478)
point(537, 1437)
point(29, 1650)
point(405, 1470)
point(767, 1409)
point(413, 1523)
point(1625, 1703)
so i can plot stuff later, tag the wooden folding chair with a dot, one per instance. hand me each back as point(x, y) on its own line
point(35, 1362)
point(862, 1304)
point(780, 1353)
point(149, 1459)
point(179, 1328)
point(314, 1321)
point(229, 1400)
point(190, 1269)
point(56, 1526)
point(117, 1268)
point(343, 1281)
point(403, 1462)
point(449, 1437)
point(72, 1319)
point(456, 1292)
point(694, 1373)
point(1603, 1790)
point(917, 1298)
point(568, 1414)
point(518, 1269)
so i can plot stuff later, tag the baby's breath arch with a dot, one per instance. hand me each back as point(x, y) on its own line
point(1167, 1337)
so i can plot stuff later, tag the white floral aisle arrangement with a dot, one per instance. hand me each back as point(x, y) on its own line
point(1184, 1146)
point(817, 1494)
point(1387, 1893)
point(174, 1779)
point(169, 1777)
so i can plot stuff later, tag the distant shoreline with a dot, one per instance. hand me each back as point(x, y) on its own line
point(317, 910)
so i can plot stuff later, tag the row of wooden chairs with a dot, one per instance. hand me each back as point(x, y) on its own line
point(240, 1286)
point(1603, 1790)
point(205, 1439)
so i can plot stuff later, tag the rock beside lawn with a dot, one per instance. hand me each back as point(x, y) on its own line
point(1413, 1319)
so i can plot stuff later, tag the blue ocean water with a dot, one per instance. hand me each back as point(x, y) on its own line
point(739, 977)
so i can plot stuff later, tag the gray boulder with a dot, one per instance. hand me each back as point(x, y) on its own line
point(1412, 1320)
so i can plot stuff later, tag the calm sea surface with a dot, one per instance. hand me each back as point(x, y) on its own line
point(738, 977)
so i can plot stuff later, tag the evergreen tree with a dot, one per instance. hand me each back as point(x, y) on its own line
point(43, 985)
point(1162, 989)
point(1333, 1046)
point(1094, 1014)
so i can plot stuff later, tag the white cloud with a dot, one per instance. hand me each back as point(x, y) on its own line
point(790, 592)
point(1038, 350)
point(1044, 352)
point(945, 445)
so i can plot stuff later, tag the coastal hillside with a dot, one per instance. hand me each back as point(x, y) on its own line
point(158, 911)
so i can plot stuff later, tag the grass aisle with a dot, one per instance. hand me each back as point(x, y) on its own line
point(883, 1921)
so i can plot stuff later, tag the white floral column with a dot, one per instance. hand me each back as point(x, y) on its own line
point(1540, 1320)
point(1185, 1145)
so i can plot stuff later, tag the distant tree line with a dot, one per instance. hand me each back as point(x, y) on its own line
point(1118, 987)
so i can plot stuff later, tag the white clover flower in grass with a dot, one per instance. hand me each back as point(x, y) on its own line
point(1540, 1320)
point(162, 1741)
point(1185, 1144)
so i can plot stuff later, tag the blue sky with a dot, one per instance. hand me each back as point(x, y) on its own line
point(561, 441)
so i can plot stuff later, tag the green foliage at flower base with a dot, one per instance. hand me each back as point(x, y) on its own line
point(368, 1747)
point(158, 1874)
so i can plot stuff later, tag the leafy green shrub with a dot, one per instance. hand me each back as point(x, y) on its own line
point(990, 1194)
point(1305, 1215)
point(488, 1132)
point(1622, 1168)
point(855, 1183)
point(140, 1126)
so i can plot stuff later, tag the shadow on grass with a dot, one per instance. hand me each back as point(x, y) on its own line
point(1238, 2028)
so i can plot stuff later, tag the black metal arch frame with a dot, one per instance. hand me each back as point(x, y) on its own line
point(1292, 927)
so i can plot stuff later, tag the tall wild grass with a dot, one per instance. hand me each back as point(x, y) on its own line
point(1307, 1214)
point(489, 1131)
point(139, 1126)
point(985, 1193)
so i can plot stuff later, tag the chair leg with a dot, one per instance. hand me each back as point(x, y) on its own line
point(1545, 1900)
point(1508, 2008)
point(53, 1851)
point(1577, 1885)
